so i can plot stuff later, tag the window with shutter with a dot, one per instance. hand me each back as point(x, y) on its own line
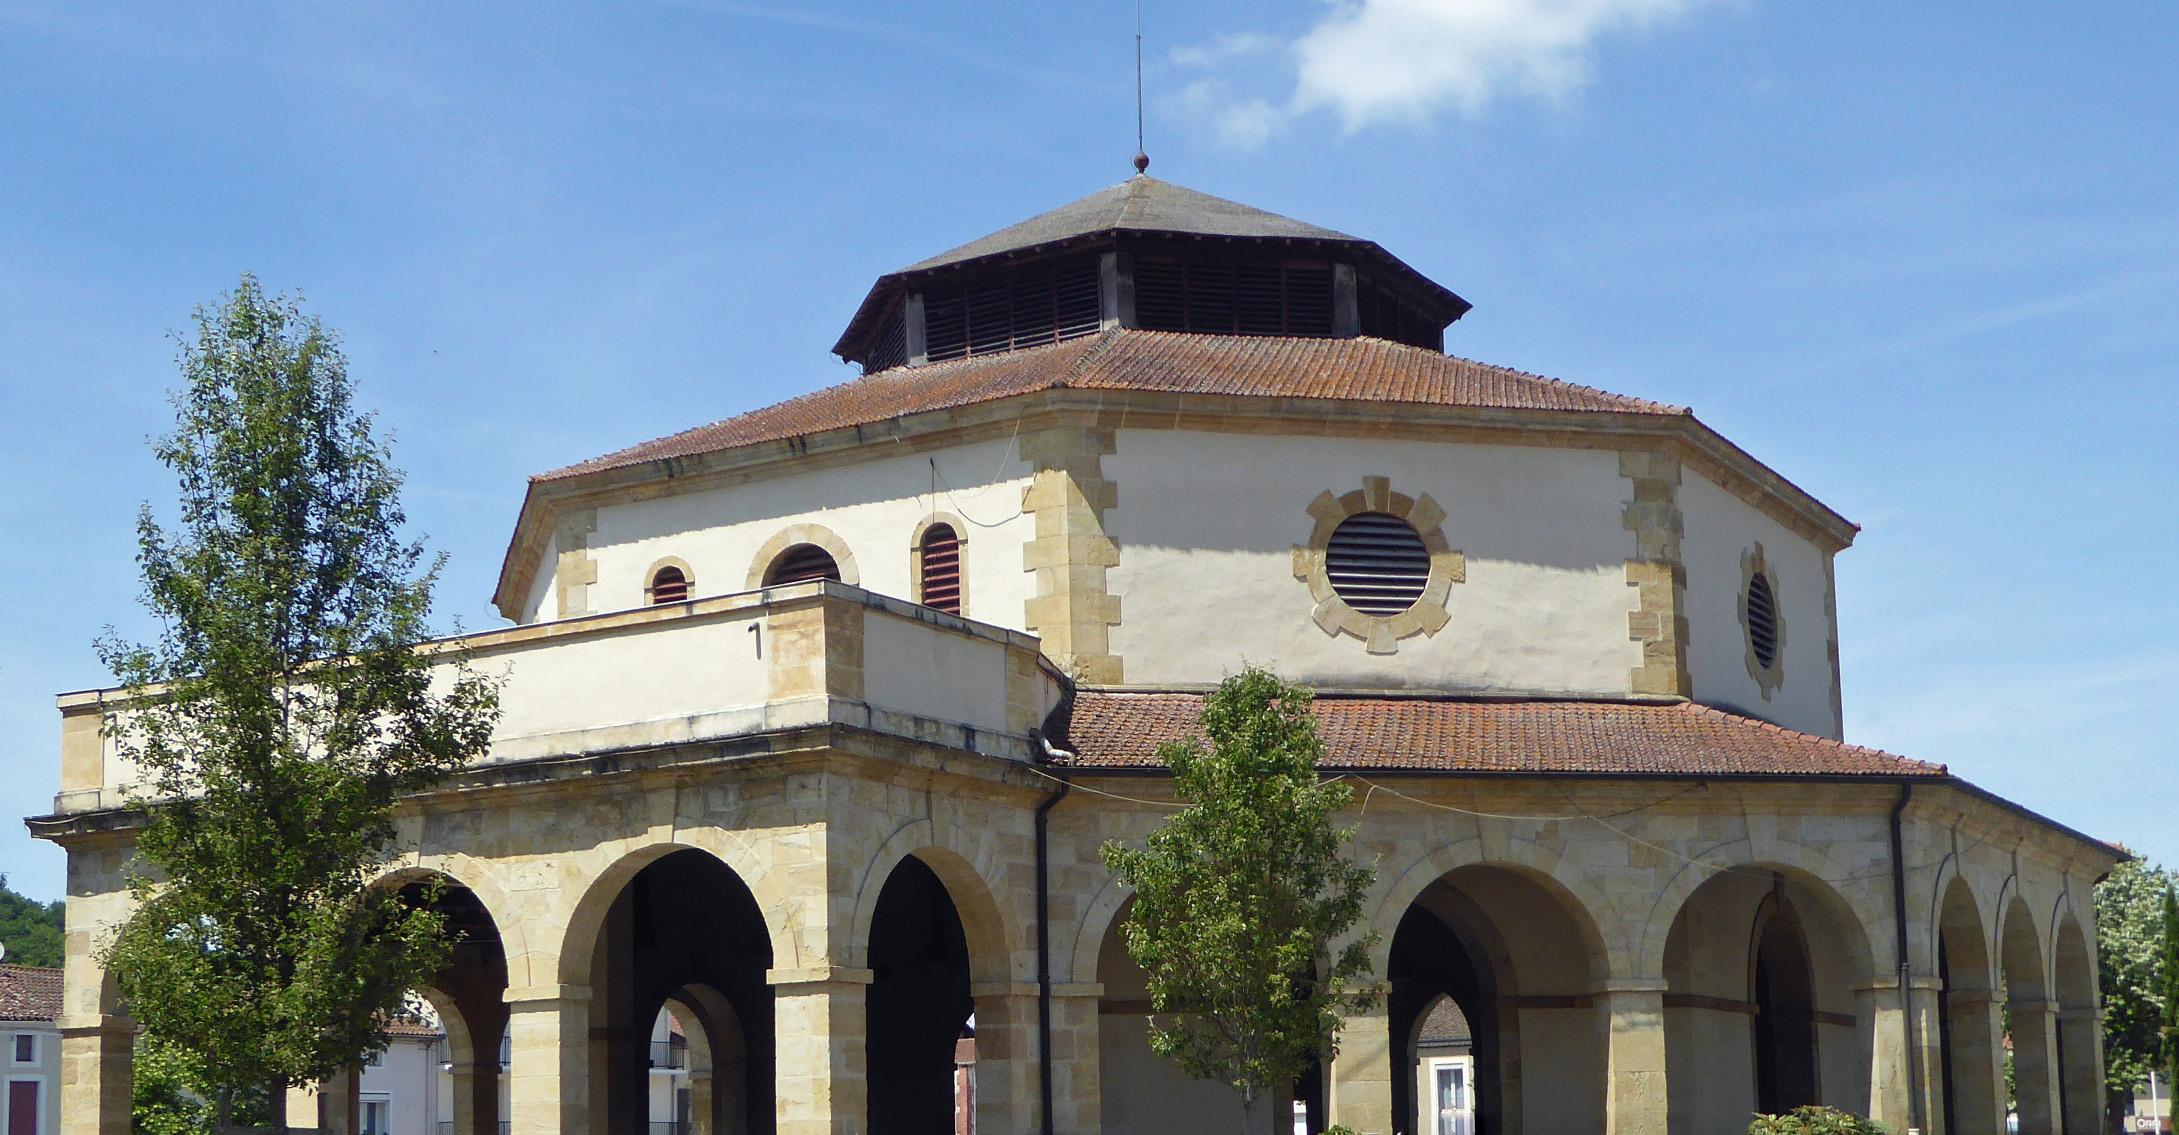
point(801, 563)
point(669, 585)
point(941, 568)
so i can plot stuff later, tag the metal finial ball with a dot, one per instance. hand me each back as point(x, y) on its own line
point(1142, 162)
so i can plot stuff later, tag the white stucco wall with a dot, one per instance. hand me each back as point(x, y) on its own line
point(945, 677)
point(874, 506)
point(1207, 523)
point(1719, 528)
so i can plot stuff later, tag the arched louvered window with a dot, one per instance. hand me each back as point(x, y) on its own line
point(940, 567)
point(669, 585)
point(1377, 563)
point(1762, 620)
point(800, 563)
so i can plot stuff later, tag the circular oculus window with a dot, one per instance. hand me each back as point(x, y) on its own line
point(1377, 563)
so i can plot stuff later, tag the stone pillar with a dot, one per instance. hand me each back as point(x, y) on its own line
point(1077, 1071)
point(1360, 1093)
point(97, 1074)
point(1978, 1062)
point(340, 1109)
point(463, 1082)
point(1905, 1032)
point(548, 1079)
point(2035, 1065)
point(1009, 1091)
point(1633, 1013)
point(2081, 1030)
point(821, 1019)
point(703, 1106)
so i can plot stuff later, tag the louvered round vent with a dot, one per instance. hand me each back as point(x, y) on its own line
point(670, 585)
point(1762, 620)
point(800, 563)
point(1377, 563)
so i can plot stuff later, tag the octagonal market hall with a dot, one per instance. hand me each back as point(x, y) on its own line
point(816, 717)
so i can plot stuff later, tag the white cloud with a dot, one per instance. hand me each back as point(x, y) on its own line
point(1223, 48)
point(1376, 61)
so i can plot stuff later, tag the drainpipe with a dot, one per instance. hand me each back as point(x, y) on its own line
point(1044, 930)
point(1906, 990)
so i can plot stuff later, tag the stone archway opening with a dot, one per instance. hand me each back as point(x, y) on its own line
point(1444, 1048)
point(683, 941)
point(1762, 1014)
point(469, 997)
point(1782, 982)
point(697, 1058)
point(920, 1006)
point(2030, 1019)
point(1967, 1029)
point(1521, 968)
point(2080, 1048)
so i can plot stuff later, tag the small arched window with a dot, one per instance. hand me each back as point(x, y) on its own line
point(801, 563)
point(940, 567)
point(1762, 620)
point(669, 585)
point(1378, 563)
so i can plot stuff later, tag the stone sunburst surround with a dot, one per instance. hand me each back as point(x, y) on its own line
point(1381, 633)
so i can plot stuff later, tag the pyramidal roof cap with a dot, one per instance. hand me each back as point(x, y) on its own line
point(1139, 204)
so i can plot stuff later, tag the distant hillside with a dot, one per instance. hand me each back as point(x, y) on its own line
point(30, 930)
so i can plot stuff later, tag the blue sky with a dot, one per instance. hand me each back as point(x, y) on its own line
point(1923, 259)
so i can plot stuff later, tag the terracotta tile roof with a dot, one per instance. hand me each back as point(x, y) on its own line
point(1361, 370)
point(1111, 729)
point(29, 993)
point(1140, 204)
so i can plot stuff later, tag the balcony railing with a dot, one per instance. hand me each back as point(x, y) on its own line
point(670, 1054)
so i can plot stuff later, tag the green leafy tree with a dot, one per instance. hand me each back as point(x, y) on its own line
point(2130, 952)
point(2168, 979)
point(286, 704)
point(31, 930)
point(1239, 897)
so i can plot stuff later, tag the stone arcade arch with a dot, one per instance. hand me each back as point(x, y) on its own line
point(469, 995)
point(2080, 1049)
point(1761, 968)
point(718, 1057)
point(919, 1002)
point(1970, 1054)
point(683, 928)
point(2033, 1018)
point(1522, 960)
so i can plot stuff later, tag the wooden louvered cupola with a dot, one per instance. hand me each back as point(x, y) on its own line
point(1148, 255)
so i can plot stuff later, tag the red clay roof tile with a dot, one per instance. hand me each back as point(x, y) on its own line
point(29, 993)
point(1120, 730)
point(1363, 370)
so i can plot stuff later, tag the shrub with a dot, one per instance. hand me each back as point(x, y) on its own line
point(1814, 1121)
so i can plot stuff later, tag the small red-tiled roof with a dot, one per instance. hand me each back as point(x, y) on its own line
point(1362, 370)
point(29, 993)
point(1118, 730)
point(402, 1026)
